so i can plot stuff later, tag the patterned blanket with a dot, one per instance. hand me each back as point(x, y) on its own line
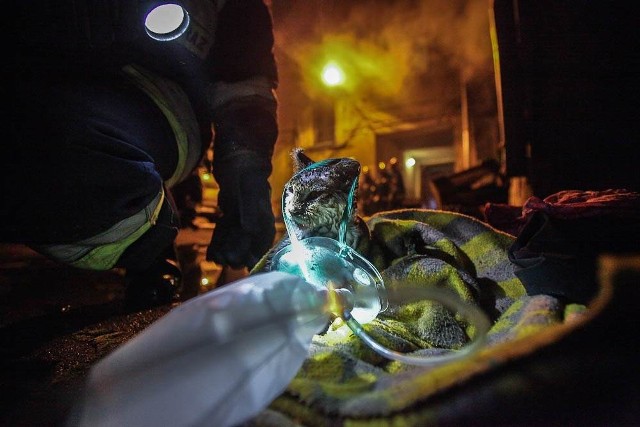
point(345, 383)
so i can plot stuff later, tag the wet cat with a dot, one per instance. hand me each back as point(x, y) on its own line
point(315, 199)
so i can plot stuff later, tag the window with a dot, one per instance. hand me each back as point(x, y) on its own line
point(324, 122)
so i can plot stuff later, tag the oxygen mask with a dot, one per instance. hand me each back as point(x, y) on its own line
point(355, 288)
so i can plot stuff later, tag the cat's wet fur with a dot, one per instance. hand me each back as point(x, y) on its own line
point(315, 199)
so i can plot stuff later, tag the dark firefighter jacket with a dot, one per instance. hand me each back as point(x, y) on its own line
point(103, 119)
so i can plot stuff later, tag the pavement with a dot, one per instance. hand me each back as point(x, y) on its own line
point(56, 321)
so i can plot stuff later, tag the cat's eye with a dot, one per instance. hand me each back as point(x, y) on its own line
point(313, 195)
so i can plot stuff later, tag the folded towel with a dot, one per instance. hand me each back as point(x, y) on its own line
point(563, 235)
point(611, 205)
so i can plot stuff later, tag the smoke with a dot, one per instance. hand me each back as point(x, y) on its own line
point(388, 48)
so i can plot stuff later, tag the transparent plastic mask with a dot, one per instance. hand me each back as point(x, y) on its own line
point(328, 264)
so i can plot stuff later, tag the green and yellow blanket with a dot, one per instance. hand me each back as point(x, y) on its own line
point(344, 383)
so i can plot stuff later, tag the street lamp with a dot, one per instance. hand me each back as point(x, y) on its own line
point(332, 75)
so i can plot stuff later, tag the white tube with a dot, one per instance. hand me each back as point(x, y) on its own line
point(473, 314)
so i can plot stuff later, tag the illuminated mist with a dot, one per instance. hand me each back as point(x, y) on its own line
point(388, 48)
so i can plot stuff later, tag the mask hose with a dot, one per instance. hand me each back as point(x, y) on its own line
point(473, 315)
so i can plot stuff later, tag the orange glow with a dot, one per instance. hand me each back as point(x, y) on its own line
point(363, 66)
point(333, 302)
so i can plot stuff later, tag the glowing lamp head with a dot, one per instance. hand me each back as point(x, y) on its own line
point(166, 22)
point(332, 75)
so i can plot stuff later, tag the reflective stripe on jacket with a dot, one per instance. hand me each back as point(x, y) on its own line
point(175, 106)
point(101, 252)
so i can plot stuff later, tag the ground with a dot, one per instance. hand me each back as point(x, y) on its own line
point(56, 321)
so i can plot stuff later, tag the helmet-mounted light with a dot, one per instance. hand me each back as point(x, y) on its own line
point(166, 21)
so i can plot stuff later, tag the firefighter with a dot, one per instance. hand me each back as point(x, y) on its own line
point(110, 111)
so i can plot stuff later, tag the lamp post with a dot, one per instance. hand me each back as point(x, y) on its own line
point(332, 75)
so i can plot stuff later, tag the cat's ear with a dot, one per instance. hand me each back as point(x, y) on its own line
point(300, 160)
